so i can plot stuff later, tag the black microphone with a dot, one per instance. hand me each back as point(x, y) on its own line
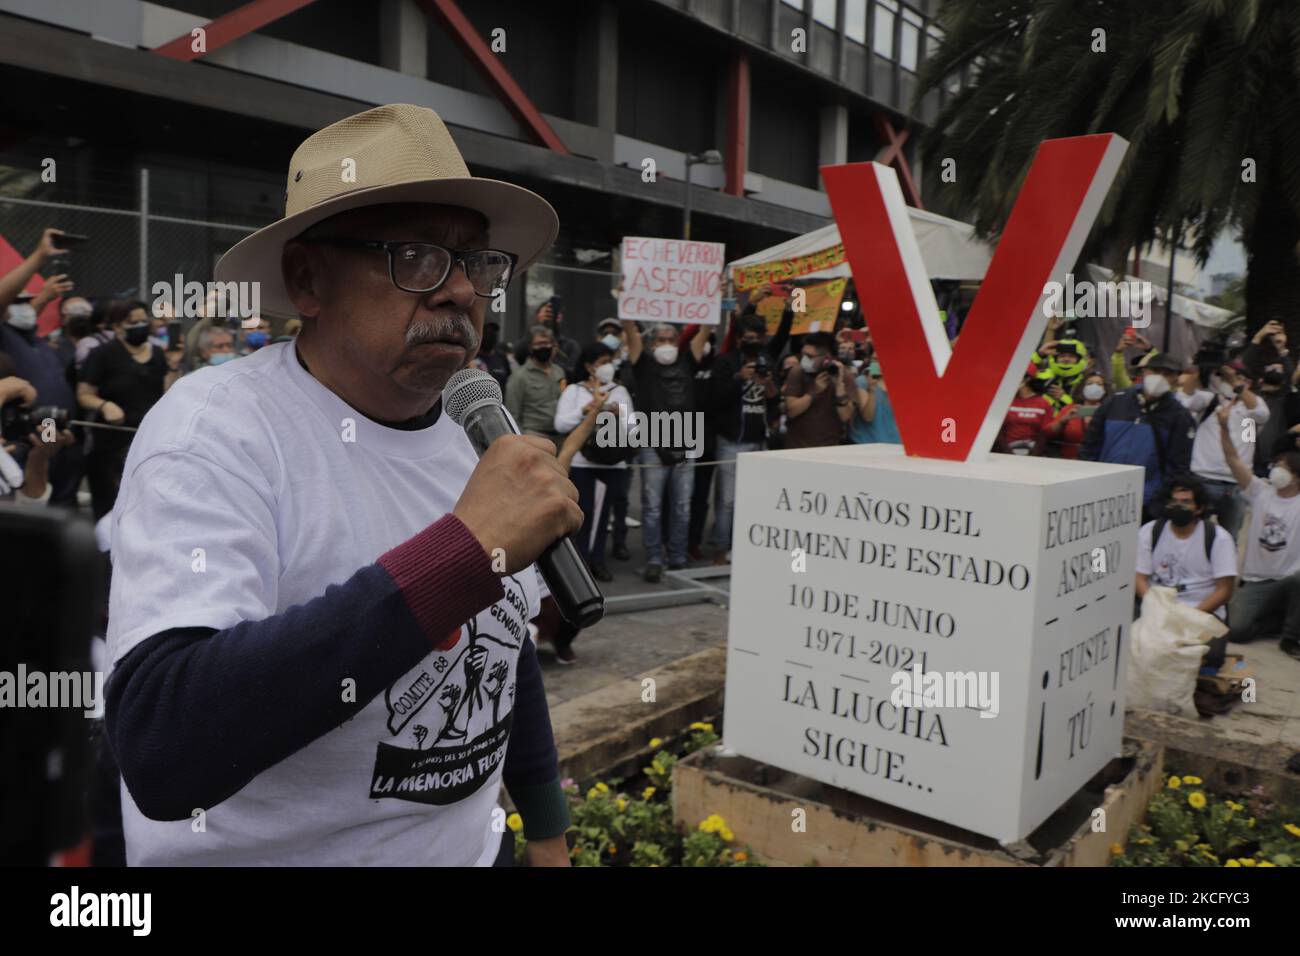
point(472, 399)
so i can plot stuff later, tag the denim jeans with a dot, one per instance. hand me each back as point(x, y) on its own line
point(727, 452)
point(1227, 502)
point(1257, 607)
point(654, 480)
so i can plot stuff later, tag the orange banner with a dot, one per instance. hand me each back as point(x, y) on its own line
point(821, 305)
point(747, 277)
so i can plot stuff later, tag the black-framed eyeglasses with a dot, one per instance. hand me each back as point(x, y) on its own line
point(424, 266)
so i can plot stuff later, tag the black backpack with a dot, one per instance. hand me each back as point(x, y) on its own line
point(1211, 533)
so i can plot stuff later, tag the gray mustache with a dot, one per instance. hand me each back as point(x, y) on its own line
point(442, 327)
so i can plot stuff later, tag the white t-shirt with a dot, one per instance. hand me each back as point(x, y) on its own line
point(286, 489)
point(1180, 562)
point(568, 415)
point(1273, 539)
point(1207, 448)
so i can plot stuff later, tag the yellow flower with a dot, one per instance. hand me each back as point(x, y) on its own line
point(655, 742)
point(740, 856)
point(613, 851)
point(1251, 823)
point(1249, 861)
point(1264, 863)
point(1116, 850)
point(602, 787)
point(622, 804)
point(647, 793)
point(714, 823)
point(1194, 781)
point(515, 822)
point(1175, 783)
point(700, 725)
point(726, 834)
point(1292, 829)
point(1196, 799)
point(1232, 863)
point(1235, 806)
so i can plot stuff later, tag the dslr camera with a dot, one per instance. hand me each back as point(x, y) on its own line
point(17, 422)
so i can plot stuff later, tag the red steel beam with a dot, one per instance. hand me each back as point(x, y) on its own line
point(893, 155)
point(736, 155)
point(230, 27)
point(493, 71)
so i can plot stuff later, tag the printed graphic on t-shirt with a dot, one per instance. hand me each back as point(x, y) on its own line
point(1272, 536)
point(754, 398)
point(452, 712)
point(1168, 572)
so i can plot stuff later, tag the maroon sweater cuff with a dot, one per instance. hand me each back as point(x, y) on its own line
point(445, 577)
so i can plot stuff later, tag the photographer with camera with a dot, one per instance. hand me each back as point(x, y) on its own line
point(820, 395)
point(28, 481)
point(36, 361)
point(742, 387)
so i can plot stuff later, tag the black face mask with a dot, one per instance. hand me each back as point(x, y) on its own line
point(1179, 516)
point(137, 334)
point(1037, 385)
point(542, 355)
point(749, 348)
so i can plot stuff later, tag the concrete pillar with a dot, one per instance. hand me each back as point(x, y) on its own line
point(833, 142)
point(596, 92)
point(403, 37)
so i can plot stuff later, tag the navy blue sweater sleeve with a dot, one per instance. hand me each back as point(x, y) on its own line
point(531, 773)
point(194, 714)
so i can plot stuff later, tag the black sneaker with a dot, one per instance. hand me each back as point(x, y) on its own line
point(601, 573)
point(564, 654)
point(1290, 646)
point(621, 553)
point(653, 573)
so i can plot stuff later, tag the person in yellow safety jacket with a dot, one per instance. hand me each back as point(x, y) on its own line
point(1066, 359)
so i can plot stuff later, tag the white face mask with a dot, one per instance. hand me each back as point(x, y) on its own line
point(1155, 385)
point(808, 364)
point(605, 373)
point(78, 310)
point(1279, 477)
point(665, 354)
point(708, 348)
point(612, 342)
point(1093, 392)
point(1226, 390)
point(22, 317)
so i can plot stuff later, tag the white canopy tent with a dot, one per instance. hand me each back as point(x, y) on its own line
point(948, 247)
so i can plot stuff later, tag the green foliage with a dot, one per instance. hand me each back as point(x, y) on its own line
point(1195, 86)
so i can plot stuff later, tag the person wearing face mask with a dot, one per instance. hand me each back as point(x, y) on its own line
point(120, 382)
point(665, 382)
point(534, 388)
point(216, 346)
point(599, 472)
point(1192, 394)
point(1185, 551)
point(1270, 568)
point(74, 321)
point(258, 337)
point(1066, 430)
point(610, 333)
point(1275, 390)
point(1145, 426)
point(37, 361)
point(1268, 347)
point(820, 395)
point(1231, 389)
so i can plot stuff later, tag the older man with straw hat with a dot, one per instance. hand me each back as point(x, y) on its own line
point(320, 603)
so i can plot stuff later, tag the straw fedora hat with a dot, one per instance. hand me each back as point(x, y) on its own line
point(401, 154)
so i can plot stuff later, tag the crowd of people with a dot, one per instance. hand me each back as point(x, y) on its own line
point(1217, 435)
point(107, 362)
point(1214, 434)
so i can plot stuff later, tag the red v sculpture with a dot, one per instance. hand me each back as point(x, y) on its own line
point(950, 403)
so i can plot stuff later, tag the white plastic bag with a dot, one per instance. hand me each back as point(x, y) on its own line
point(1168, 642)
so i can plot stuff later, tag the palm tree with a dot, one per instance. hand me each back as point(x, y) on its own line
point(1207, 92)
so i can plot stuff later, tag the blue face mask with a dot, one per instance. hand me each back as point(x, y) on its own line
point(218, 358)
point(256, 340)
point(612, 342)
